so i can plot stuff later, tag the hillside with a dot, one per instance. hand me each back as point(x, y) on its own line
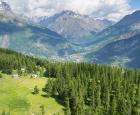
point(20, 61)
point(70, 88)
point(122, 52)
point(17, 85)
point(112, 44)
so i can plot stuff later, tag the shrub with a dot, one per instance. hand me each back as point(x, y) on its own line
point(36, 90)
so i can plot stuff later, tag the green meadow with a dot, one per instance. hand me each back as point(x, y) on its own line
point(16, 97)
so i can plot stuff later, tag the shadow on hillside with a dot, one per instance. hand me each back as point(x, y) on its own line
point(57, 98)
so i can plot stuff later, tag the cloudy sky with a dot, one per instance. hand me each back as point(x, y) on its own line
point(110, 9)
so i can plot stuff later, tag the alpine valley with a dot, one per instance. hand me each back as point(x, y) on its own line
point(70, 36)
point(54, 61)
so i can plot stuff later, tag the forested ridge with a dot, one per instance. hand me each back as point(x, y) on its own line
point(84, 89)
point(11, 60)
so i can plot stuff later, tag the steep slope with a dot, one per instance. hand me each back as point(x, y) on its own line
point(74, 26)
point(127, 27)
point(17, 34)
point(122, 52)
point(118, 44)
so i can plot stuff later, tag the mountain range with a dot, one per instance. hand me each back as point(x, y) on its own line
point(75, 27)
point(70, 36)
point(17, 34)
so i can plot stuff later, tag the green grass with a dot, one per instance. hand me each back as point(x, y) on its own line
point(16, 97)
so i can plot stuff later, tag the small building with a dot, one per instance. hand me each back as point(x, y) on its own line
point(23, 70)
point(15, 76)
point(34, 76)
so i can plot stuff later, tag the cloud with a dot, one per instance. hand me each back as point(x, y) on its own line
point(110, 9)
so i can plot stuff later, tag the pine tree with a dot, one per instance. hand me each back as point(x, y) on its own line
point(36, 90)
point(67, 103)
point(113, 107)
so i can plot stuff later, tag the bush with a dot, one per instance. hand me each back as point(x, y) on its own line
point(36, 90)
point(7, 71)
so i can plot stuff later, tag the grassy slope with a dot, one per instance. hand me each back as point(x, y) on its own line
point(15, 94)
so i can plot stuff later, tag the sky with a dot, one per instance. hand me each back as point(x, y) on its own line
point(135, 4)
point(109, 9)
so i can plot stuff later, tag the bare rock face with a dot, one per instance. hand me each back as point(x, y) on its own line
point(73, 25)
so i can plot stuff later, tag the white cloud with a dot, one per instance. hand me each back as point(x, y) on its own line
point(112, 9)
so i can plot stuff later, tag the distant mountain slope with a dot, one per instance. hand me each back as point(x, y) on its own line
point(118, 44)
point(124, 52)
point(124, 29)
point(131, 19)
point(74, 26)
point(19, 35)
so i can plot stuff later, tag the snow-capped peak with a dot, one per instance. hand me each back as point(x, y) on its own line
point(4, 6)
point(68, 12)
